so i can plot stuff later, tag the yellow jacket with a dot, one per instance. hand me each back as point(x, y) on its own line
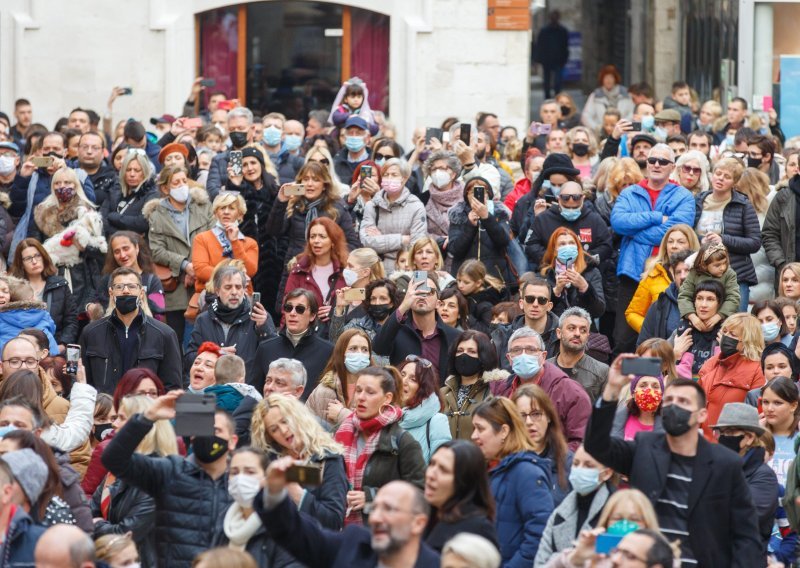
point(648, 291)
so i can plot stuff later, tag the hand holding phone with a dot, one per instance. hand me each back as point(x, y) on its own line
point(294, 189)
point(256, 298)
point(43, 161)
point(235, 161)
point(208, 83)
point(642, 366)
point(465, 134)
point(307, 475)
point(421, 277)
point(126, 91)
point(194, 414)
point(73, 356)
point(355, 294)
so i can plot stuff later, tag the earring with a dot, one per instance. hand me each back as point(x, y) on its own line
point(384, 407)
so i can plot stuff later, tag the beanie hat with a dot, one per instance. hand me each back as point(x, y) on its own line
point(29, 470)
point(250, 152)
point(636, 379)
point(558, 164)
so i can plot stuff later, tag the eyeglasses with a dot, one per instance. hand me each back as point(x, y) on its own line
point(16, 362)
point(31, 258)
point(384, 156)
point(541, 299)
point(536, 415)
point(322, 161)
point(300, 309)
point(126, 286)
point(691, 170)
point(421, 360)
point(627, 555)
point(568, 198)
point(527, 350)
point(659, 161)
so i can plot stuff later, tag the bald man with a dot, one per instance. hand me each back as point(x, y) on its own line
point(65, 546)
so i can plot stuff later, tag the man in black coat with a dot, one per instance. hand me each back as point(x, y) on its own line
point(552, 51)
point(296, 340)
point(698, 489)
point(423, 334)
point(129, 338)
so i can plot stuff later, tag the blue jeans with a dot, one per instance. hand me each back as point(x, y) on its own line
point(744, 292)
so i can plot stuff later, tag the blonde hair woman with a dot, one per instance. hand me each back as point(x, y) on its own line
point(582, 146)
point(425, 255)
point(624, 173)
point(691, 171)
point(123, 211)
point(283, 426)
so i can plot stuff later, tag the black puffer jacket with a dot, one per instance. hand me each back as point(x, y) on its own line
point(125, 213)
point(741, 234)
point(490, 248)
point(190, 505)
point(593, 300)
point(62, 307)
point(264, 550)
point(592, 231)
point(131, 510)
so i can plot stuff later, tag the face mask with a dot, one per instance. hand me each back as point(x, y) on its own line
point(467, 365)
point(379, 312)
point(675, 420)
point(355, 143)
point(392, 186)
point(648, 122)
point(567, 253)
point(6, 165)
point(126, 304)
point(728, 346)
point(729, 140)
point(526, 366)
point(534, 177)
point(731, 442)
point(380, 161)
point(584, 480)
point(580, 149)
point(570, 214)
point(660, 133)
point(101, 431)
point(65, 194)
point(238, 139)
point(272, 136)
point(6, 429)
point(440, 178)
point(355, 362)
point(623, 527)
point(208, 449)
point(753, 162)
point(350, 276)
point(292, 142)
point(770, 330)
point(490, 206)
point(243, 489)
point(565, 110)
point(647, 399)
point(180, 193)
point(554, 189)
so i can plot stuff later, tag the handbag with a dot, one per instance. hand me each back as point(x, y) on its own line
point(164, 273)
point(193, 310)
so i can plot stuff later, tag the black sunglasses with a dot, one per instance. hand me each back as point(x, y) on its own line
point(300, 309)
point(659, 161)
point(568, 198)
point(541, 299)
point(421, 360)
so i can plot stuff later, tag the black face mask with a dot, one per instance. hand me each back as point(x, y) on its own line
point(467, 365)
point(580, 149)
point(728, 346)
point(101, 431)
point(565, 110)
point(379, 312)
point(126, 304)
point(208, 449)
point(238, 139)
point(731, 442)
point(753, 162)
point(675, 420)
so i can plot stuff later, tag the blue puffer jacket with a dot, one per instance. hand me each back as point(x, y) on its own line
point(427, 424)
point(521, 484)
point(16, 316)
point(642, 227)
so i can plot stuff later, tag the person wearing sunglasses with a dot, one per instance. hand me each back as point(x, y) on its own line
point(642, 214)
point(691, 171)
point(297, 339)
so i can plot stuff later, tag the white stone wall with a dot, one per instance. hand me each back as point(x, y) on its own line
point(64, 54)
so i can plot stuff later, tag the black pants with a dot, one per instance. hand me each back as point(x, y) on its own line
point(624, 336)
point(177, 322)
point(551, 76)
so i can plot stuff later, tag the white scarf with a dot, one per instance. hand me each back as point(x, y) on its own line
point(238, 529)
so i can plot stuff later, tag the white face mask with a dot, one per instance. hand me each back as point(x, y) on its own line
point(180, 193)
point(6, 165)
point(243, 489)
point(440, 178)
point(350, 276)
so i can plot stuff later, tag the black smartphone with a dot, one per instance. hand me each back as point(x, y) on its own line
point(73, 355)
point(479, 193)
point(235, 160)
point(366, 172)
point(636, 126)
point(465, 134)
point(432, 132)
point(208, 83)
point(256, 298)
point(127, 91)
point(194, 414)
point(304, 474)
point(642, 366)
point(422, 277)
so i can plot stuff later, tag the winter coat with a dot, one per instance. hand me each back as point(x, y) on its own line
point(125, 213)
point(591, 230)
point(662, 316)
point(590, 373)
point(730, 304)
point(73, 494)
point(62, 307)
point(397, 457)
point(427, 424)
point(312, 351)
point(301, 276)
point(460, 418)
point(522, 187)
point(343, 167)
point(593, 300)
point(642, 227)
point(765, 272)
point(562, 526)
point(601, 100)
point(704, 344)
point(778, 231)
point(487, 241)
point(16, 316)
point(763, 485)
point(326, 502)
point(727, 380)
point(570, 399)
point(105, 182)
point(480, 305)
point(72, 431)
point(131, 510)
point(472, 520)
point(190, 505)
point(502, 333)
point(217, 173)
point(741, 233)
point(621, 419)
point(207, 254)
point(287, 165)
point(328, 390)
point(168, 244)
point(21, 539)
point(263, 548)
point(520, 484)
point(159, 351)
point(404, 217)
point(648, 291)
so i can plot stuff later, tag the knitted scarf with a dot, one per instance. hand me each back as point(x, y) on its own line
point(312, 211)
point(439, 205)
point(348, 434)
point(238, 529)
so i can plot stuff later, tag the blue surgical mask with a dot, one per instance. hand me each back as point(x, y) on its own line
point(554, 189)
point(272, 136)
point(380, 161)
point(355, 143)
point(292, 142)
point(490, 206)
point(648, 122)
point(584, 480)
point(729, 140)
point(355, 362)
point(6, 429)
point(567, 253)
point(570, 214)
point(660, 133)
point(526, 366)
point(770, 330)
point(350, 276)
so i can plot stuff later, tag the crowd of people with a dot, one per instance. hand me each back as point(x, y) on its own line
point(417, 356)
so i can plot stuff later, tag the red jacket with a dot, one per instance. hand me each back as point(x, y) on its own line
point(727, 380)
point(522, 187)
point(300, 277)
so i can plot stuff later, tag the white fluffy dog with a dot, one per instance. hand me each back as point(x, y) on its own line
point(86, 230)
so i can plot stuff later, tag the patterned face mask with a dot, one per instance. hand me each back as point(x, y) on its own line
point(647, 399)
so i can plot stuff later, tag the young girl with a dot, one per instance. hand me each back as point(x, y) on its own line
point(403, 262)
point(710, 263)
point(353, 98)
point(789, 309)
point(481, 290)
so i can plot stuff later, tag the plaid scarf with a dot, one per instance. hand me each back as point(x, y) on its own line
point(348, 434)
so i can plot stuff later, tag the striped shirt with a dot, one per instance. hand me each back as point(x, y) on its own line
point(672, 506)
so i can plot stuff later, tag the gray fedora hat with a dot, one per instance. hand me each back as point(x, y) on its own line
point(739, 415)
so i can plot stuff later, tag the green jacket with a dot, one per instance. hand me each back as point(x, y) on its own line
point(732, 296)
point(778, 232)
